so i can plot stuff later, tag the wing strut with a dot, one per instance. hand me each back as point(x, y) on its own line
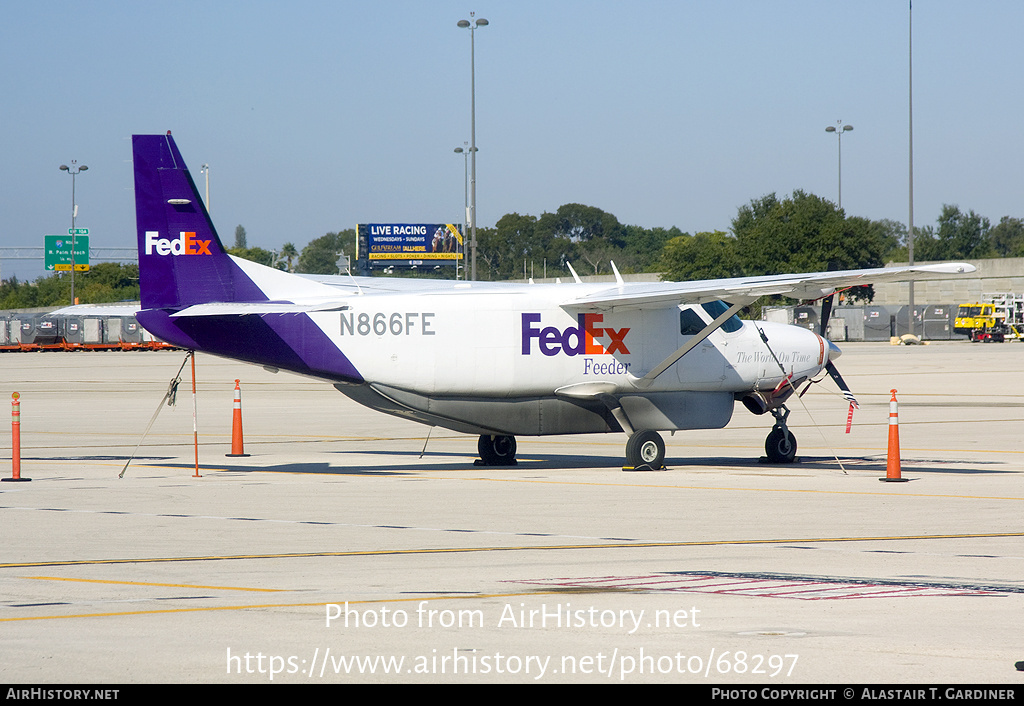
point(649, 378)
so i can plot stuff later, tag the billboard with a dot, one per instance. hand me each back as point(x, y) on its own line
point(409, 244)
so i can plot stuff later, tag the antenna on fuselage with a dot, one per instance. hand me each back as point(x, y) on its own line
point(345, 265)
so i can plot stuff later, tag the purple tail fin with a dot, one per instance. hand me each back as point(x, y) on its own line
point(181, 260)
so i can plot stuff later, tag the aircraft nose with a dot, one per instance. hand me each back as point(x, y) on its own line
point(833, 351)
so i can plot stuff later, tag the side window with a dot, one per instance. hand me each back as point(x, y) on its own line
point(690, 324)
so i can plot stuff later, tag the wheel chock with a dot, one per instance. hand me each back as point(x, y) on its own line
point(643, 467)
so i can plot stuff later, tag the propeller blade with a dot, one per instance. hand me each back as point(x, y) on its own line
point(826, 314)
point(834, 373)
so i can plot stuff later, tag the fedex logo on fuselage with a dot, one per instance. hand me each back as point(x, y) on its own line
point(185, 244)
point(575, 340)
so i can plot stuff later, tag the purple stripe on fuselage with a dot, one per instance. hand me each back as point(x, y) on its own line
point(286, 341)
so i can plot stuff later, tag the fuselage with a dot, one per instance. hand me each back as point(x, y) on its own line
point(523, 343)
point(513, 359)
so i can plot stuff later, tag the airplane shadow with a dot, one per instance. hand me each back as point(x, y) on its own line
point(94, 458)
point(409, 463)
point(315, 468)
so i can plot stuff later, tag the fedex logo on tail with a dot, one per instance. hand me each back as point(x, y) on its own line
point(575, 340)
point(185, 244)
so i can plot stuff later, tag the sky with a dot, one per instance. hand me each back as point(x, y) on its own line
point(316, 116)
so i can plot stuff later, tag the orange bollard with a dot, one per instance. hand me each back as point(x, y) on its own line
point(236, 424)
point(16, 440)
point(892, 466)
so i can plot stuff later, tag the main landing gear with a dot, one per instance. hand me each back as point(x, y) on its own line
point(645, 450)
point(780, 446)
point(496, 450)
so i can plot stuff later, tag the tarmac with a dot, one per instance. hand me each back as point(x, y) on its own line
point(349, 547)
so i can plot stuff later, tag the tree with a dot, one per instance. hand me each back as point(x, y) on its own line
point(701, 256)
point(804, 233)
point(959, 236)
point(644, 247)
point(894, 239)
point(576, 231)
point(577, 223)
point(320, 257)
point(289, 253)
point(108, 282)
point(584, 236)
point(239, 237)
point(254, 254)
point(596, 252)
point(1007, 237)
point(504, 247)
point(104, 282)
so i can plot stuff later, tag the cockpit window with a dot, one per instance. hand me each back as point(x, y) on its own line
point(716, 309)
point(691, 323)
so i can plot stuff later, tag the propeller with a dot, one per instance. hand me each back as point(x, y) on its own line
point(833, 350)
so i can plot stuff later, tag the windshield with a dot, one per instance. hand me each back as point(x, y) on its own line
point(716, 309)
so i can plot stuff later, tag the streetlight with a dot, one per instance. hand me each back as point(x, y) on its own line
point(839, 133)
point(73, 170)
point(466, 24)
point(465, 159)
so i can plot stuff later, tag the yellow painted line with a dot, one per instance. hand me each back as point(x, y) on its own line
point(145, 583)
point(282, 605)
point(518, 548)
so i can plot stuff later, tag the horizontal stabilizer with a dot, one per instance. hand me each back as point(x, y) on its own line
point(257, 308)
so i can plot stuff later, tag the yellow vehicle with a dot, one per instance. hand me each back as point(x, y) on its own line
point(982, 321)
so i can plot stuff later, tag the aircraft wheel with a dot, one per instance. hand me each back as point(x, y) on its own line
point(780, 446)
point(497, 450)
point(645, 448)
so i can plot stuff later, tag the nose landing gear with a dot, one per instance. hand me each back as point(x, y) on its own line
point(780, 446)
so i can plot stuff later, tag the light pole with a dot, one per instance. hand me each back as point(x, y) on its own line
point(465, 179)
point(910, 137)
point(839, 133)
point(466, 24)
point(73, 170)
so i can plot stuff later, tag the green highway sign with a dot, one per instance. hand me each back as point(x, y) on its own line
point(78, 231)
point(57, 252)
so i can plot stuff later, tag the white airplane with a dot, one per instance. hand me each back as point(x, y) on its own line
point(495, 359)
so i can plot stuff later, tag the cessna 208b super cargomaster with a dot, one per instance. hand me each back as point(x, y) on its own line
point(493, 359)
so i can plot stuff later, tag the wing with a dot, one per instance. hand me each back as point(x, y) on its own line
point(746, 289)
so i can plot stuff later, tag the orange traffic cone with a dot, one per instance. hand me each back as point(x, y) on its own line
point(236, 425)
point(892, 466)
point(16, 440)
